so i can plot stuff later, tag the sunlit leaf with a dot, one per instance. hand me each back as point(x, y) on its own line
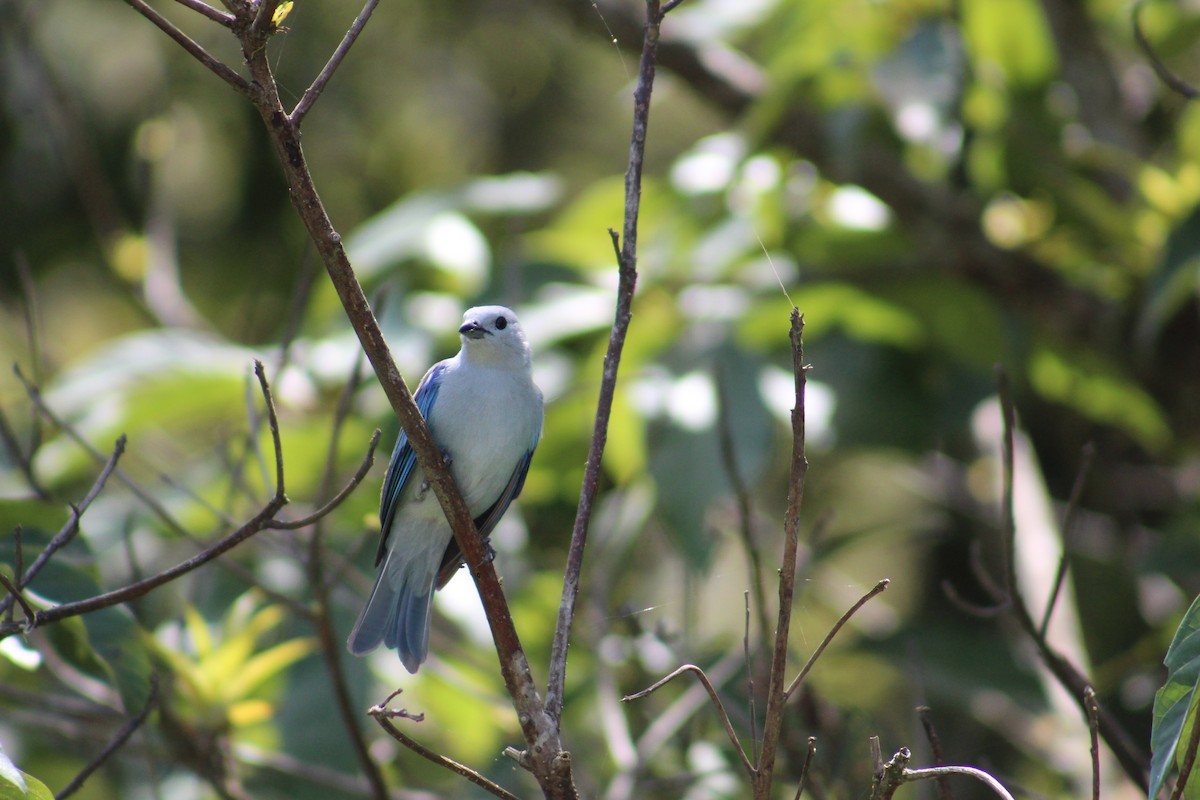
point(1101, 393)
point(281, 12)
point(1175, 703)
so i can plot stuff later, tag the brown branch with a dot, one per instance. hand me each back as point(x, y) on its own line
point(862, 601)
point(1093, 716)
point(776, 694)
point(331, 646)
point(260, 521)
point(1128, 754)
point(890, 776)
point(1068, 525)
point(384, 716)
point(115, 744)
point(358, 477)
point(626, 283)
point(314, 91)
point(217, 67)
point(716, 699)
point(15, 592)
point(205, 10)
point(741, 494)
point(935, 747)
point(1173, 81)
point(808, 757)
point(71, 528)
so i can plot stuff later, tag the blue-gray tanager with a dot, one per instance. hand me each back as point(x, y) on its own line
point(485, 413)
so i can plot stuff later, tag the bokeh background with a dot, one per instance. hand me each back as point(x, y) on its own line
point(940, 187)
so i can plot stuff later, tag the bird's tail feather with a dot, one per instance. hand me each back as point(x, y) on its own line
point(397, 615)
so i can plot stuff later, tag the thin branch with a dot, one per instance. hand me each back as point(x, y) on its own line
point(273, 426)
point(1173, 81)
point(776, 694)
point(217, 67)
point(741, 493)
point(115, 744)
point(384, 716)
point(68, 531)
point(808, 757)
point(205, 10)
point(712, 693)
point(1093, 715)
point(16, 594)
point(1068, 525)
point(331, 650)
point(750, 681)
point(260, 521)
point(978, 774)
point(862, 601)
point(626, 283)
point(314, 92)
point(935, 747)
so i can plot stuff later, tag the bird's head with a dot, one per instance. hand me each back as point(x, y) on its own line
point(493, 333)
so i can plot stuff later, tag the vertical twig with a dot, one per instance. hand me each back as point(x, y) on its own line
point(935, 747)
point(776, 693)
point(741, 494)
point(626, 248)
point(1068, 525)
point(114, 745)
point(1093, 714)
point(808, 757)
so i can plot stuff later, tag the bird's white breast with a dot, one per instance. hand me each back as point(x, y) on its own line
point(486, 419)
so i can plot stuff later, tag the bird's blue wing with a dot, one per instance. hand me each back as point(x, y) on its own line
point(404, 458)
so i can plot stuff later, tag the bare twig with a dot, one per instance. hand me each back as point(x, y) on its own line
point(217, 67)
point(68, 531)
point(114, 744)
point(15, 593)
point(890, 776)
point(935, 747)
point(384, 716)
point(776, 694)
point(1093, 714)
point(626, 282)
point(741, 494)
point(808, 757)
point(978, 774)
point(712, 693)
point(258, 522)
point(862, 601)
point(204, 9)
point(750, 681)
point(359, 475)
point(1176, 83)
point(1068, 524)
point(331, 649)
point(314, 92)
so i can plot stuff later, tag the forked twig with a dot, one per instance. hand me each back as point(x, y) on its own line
point(213, 64)
point(383, 715)
point(862, 601)
point(712, 693)
point(114, 744)
point(1182, 87)
point(314, 91)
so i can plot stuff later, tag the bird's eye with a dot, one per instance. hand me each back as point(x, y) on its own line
point(501, 323)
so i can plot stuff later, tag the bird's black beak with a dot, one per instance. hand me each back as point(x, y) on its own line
point(473, 330)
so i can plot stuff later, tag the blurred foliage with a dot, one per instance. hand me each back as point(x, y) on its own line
point(938, 186)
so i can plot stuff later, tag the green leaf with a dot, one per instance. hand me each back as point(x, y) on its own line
point(10, 776)
point(1175, 702)
point(18, 785)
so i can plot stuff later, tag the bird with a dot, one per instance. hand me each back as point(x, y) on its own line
point(485, 414)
